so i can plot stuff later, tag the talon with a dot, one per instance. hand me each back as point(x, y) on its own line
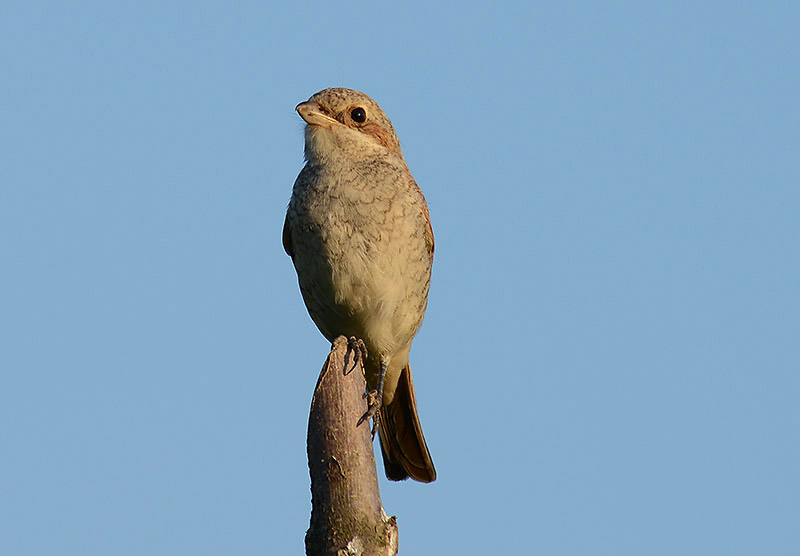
point(373, 405)
point(358, 349)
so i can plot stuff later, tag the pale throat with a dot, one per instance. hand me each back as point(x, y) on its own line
point(340, 144)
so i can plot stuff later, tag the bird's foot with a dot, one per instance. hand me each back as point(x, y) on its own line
point(373, 405)
point(356, 347)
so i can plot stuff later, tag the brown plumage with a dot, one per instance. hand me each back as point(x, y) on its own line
point(359, 234)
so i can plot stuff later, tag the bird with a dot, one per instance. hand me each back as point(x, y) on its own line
point(358, 231)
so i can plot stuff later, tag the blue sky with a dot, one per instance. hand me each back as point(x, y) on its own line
point(609, 361)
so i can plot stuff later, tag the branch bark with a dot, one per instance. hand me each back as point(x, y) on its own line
point(347, 517)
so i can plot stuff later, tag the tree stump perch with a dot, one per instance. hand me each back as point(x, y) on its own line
point(347, 517)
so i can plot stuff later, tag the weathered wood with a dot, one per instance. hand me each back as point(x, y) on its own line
point(347, 517)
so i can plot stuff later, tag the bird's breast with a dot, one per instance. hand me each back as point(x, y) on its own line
point(360, 254)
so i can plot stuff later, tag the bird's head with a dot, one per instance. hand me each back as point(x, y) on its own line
point(346, 123)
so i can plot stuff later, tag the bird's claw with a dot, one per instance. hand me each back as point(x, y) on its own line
point(358, 349)
point(373, 405)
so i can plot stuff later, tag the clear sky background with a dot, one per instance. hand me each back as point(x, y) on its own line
point(609, 364)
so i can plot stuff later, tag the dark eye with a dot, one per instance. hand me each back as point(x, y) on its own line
point(359, 115)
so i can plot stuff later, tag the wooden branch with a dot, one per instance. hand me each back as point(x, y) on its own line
point(347, 517)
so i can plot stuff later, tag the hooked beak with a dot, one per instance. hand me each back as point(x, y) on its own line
point(311, 112)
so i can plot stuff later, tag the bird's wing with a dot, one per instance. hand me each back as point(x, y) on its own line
point(429, 231)
point(287, 237)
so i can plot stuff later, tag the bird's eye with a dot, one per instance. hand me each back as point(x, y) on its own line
point(359, 115)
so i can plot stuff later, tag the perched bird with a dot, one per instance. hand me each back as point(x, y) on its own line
point(359, 234)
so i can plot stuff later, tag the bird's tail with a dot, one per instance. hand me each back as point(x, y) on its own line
point(405, 453)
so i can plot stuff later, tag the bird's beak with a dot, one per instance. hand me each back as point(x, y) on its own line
point(312, 114)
